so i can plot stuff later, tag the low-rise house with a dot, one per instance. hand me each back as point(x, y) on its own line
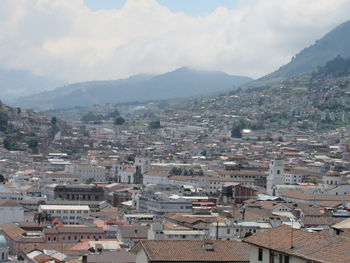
point(130, 235)
point(233, 230)
point(158, 231)
point(193, 251)
point(72, 234)
point(285, 244)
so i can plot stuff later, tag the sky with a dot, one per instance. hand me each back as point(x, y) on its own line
point(189, 7)
point(81, 40)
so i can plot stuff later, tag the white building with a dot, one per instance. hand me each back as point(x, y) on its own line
point(11, 211)
point(69, 214)
point(331, 179)
point(286, 245)
point(127, 176)
point(143, 163)
point(294, 178)
point(88, 172)
point(157, 232)
point(156, 178)
point(275, 176)
point(233, 230)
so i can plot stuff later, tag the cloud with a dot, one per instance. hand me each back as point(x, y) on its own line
point(68, 41)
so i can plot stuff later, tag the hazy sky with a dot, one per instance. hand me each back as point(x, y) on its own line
point(77, 40)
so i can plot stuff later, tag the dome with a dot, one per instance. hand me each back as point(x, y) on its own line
point(333, 173)
point(3, 242)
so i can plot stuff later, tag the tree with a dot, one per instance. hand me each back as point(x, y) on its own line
point(90, 116)
point(155, 124)
point(236, 132)
point(10, 143)
point(53, 121)
point(119, 120)
point(33, 143)
point(42, 217)
point(3, 120)
point(115, 113)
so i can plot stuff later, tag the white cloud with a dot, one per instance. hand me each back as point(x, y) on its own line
point(67, 40)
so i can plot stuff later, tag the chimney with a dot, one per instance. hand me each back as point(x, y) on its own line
point(208, 245)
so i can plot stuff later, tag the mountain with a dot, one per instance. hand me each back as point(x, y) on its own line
point(181, 83)
point(15, 83)
point(334, 43)
point(27, 130)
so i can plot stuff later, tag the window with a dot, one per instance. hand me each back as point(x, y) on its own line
point(228, 231)
point(260, 254)
point(286, 259)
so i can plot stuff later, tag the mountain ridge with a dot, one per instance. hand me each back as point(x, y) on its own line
point(182, 82)
point(334, 43)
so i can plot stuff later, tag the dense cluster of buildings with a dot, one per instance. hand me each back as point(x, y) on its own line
point(187, 191)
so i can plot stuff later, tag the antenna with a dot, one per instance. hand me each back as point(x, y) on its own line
point(291, 236)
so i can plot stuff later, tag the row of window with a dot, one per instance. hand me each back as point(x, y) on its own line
point(281, 258)
point(72, 238)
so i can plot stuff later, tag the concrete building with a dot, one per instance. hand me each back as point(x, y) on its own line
point(79, 192)
point(157, 231)
point(69, 214)
point(160, 204)
point(11, 211)
point(233, 230)
point(89, 172)
point(72, 234)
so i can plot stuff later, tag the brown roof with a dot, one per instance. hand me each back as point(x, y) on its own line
point(133, 231)
point(9, 203)
point(73, 229)
point(120, 256)
point(320, 221)
point(194, 251)
point(319, 246)
point(315, 198)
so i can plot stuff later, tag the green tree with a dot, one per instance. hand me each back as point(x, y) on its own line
point(155, 124)
point(119, 120)
point(53, 120)
point(3, 121)
point(236, 131)
point(10, 143)
point(115, 113)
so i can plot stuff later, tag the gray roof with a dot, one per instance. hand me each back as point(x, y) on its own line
point(121, 256)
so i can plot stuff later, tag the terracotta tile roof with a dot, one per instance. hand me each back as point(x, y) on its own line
point(320, 246)
point(314, 198)
point(320, 221)
point(194, 251)
point(73, 229)
point(9, 203)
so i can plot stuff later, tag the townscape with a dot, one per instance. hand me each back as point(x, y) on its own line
point(257, 172)
point(179, 176)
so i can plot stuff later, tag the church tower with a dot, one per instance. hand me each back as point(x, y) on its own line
point(275, 176)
